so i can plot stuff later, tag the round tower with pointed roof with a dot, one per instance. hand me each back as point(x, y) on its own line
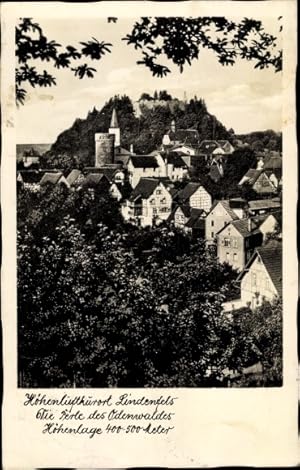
point(114, 128)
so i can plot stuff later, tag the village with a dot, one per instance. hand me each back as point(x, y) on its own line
point(157, 188)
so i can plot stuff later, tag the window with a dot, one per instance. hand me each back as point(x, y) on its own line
point(235, 243)
point(158, 191)
point(163, 201)
point(226, 241)
point(152, 202)
point(234, 256)
point(227, 256)
point(254, 279)
point(212, 223)
point(212, 234)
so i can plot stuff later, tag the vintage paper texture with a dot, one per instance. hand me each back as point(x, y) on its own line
point(213, 427)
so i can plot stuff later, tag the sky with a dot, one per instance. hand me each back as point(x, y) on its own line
point(241, 97)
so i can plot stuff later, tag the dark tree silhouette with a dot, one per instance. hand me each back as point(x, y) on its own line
point(180, 40)
point(32, 44)
point(177, 39)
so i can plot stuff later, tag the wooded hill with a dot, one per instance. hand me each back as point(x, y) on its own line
point(144, 132)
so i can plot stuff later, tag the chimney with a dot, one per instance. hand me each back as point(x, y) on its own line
point(260, 164)
point(131, 148)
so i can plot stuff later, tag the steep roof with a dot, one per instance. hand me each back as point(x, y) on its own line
point(125, 189)
point(73, 176)
point(31, 177)
point(251, 176)
point(144, 161)
point(188, 191)
point(144, 188)
point(271, 257)
point(273, 162)
point(114, 119)
point(264, 204)
point(229, 210)
point(93, 179)
point(196, 219)
point(175, 159)
point(242, 226)
point(51, 178)
point(185, 209)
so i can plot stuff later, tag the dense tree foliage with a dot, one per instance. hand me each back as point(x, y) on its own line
point(181, 41)
point(103, 304)
point(77, 144)
point(262, 331)
point(178, 39)
point(261, 140)
point(32, 46)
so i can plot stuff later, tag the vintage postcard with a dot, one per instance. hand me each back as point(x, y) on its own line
point(149, 192)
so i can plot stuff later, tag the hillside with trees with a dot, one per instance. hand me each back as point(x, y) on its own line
point(144, 132)
point(261, 140)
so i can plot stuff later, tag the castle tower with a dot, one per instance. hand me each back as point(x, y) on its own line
point(114, 128)
point(104, 148)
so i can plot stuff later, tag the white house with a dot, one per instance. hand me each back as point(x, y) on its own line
point(196, 196)
point(269, 223)
point(144, 166)
point(149, 203)
point(261, 279)
point(220, 215)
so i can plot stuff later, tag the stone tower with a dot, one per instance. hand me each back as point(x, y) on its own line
point(114, 128)
point(104, 148)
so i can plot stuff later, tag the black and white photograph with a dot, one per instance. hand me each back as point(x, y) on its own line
point(149, 279)
point(149, 201)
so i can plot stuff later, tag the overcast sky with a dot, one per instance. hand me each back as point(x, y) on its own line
point(241, 97)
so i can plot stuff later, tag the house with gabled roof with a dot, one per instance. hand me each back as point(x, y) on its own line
point(259, 181)
point(175, 167)
point(30, 179)
point(120, 191)
point(269, 223)
point(143, 166)
point(181, 215)
point(262, 206)
point(236, 242)
point(54, 178)
point(220, 214)
point(96, 182)
point(196, 196)
point(149, 203)
point(261, 278)
point(75, 177)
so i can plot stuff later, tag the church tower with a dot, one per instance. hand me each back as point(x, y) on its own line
point(114, 128)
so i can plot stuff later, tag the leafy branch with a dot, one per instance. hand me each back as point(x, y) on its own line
point(181, 39)
point(32, 44)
